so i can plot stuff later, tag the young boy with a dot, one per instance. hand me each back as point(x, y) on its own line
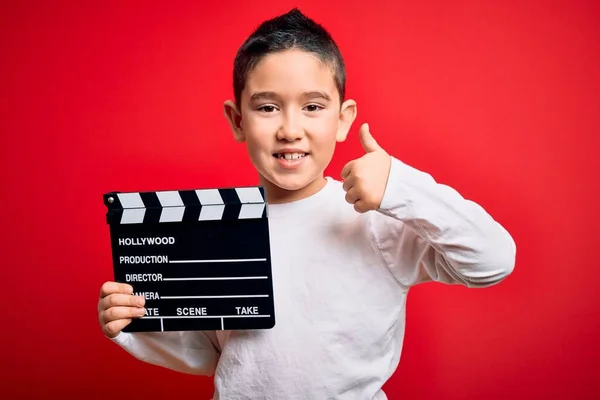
point(344, 253)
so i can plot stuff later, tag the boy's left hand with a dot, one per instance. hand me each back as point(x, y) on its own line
point(365, 179)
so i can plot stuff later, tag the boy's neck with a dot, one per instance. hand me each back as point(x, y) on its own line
point(277, 195)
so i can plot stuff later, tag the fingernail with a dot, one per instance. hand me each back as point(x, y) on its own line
point(142, 311)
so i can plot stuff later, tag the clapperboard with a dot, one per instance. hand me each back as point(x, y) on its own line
point(201, 258)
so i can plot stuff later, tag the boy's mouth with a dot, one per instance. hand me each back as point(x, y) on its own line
point(290, 155)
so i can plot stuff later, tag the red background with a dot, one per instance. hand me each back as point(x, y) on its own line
point(499, 101)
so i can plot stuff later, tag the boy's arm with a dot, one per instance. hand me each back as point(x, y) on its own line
point(428, 231)
point(188, 352)
point(432, 233)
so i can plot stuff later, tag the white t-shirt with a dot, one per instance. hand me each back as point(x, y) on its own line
point(340, 284)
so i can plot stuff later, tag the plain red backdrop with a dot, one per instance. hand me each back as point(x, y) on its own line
point(498, 100)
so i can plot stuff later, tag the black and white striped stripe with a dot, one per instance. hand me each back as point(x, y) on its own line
point(186, 205)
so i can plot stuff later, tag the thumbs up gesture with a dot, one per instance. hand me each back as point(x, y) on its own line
point(365, 179)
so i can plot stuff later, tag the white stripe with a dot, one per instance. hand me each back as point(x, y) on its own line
point(222, 324)
point(208, 316)
point(249, 195)
point(170, 199)
point(130, 200)
point(133, 216)
point(250, 211)
point(231, 260)
point(253, 296)
point(209, 196)
point(233, 278)
point(162, 328)
point(213, 212)
point(172, 214)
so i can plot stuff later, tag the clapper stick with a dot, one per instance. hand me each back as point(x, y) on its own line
point(201, 258)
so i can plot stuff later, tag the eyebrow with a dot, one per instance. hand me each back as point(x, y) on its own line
point(317, 95)
point(273, 95)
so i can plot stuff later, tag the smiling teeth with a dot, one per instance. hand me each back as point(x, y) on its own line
point(291, 156)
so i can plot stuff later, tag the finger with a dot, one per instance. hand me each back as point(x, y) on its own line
point(346, 170)
point(113, 328)
point(352, 196)
point(361, 206)
point(117, 313)
point(348, 183)
point(115, 287)
point(121, 300)
point(367, 140)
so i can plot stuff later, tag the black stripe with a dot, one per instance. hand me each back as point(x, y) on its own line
point(191, 214)
point(229, 196)
point(232, 211)
point(150, 200)
point(189, 198)
point(262, 193)
point(152, 215)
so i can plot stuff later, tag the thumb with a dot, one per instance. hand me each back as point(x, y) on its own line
point(367, 140)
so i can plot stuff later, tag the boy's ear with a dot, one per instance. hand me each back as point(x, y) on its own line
point(347, 116)
point(234, 117)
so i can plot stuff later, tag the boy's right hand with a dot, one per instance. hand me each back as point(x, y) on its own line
point(117, 306)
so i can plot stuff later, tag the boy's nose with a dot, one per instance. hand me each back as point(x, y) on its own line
point(289, 131)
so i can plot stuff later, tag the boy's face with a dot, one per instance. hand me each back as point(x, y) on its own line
point(290, 119)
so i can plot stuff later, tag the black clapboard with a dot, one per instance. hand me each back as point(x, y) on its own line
point(201, 258)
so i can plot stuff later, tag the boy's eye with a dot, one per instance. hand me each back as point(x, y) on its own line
point(313, 107)
point(266, 108)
